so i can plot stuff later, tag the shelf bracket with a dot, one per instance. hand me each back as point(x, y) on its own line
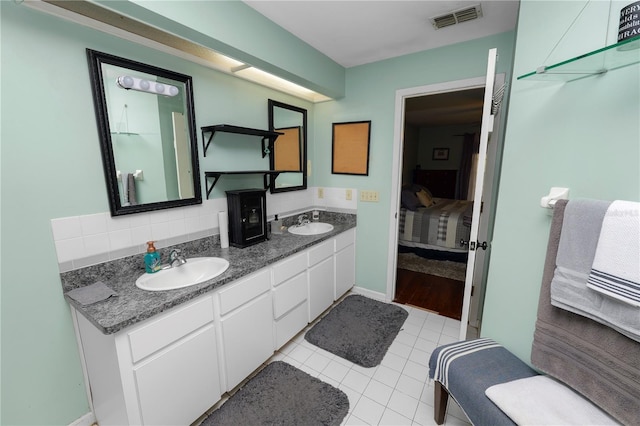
point(271, 181)
point(267, 145)
point(215, 177)
point(205, 145)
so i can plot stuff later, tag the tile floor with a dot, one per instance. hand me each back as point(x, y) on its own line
point(396, 392)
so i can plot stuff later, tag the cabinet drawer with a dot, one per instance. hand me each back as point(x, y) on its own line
point(289, 295)
point(289, 268)
point(320, 252)
point(160, 333)
point(244, 291)
point(345, 239)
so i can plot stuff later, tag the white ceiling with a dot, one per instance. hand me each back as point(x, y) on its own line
point(358, 32)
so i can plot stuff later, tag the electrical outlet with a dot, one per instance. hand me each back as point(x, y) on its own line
point(348, 195)
point(370, 196)
point(320, 192)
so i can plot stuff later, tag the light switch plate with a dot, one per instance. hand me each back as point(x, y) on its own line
point(370, 196)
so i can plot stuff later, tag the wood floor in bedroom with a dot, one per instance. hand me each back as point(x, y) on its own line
point(437, 294)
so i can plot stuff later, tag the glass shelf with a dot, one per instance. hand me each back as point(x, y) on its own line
point(599, 61)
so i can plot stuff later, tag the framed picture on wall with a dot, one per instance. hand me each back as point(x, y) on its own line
point(350, 150)
point(440, 154)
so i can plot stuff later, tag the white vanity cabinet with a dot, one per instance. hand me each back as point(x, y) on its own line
point(161, 371)
point(345, 262)
point(247, 325)
point(321, 278)
point(172, 368)
point(290, 294)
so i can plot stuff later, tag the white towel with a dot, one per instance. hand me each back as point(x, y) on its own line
point(541, 400)
point(616, 266)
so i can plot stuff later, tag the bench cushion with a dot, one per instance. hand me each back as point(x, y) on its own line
point(466, 369)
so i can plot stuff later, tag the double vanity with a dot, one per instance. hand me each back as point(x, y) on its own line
point(172, 343)
point(166, 357)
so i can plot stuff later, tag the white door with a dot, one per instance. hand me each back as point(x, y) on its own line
point(474, 243)
point(183, 156)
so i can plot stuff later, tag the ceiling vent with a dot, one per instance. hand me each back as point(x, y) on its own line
point(457, 16)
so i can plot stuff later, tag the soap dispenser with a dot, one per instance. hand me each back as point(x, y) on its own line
point(151, 258)
point(276, 226)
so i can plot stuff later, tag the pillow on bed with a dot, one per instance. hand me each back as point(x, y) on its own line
point(409, 199)
point(416, 187)
point(425, 198)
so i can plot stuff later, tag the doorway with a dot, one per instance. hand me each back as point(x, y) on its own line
point(441, 140)
point(403, 173)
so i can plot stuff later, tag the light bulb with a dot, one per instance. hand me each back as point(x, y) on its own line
point(125, 81)
point(160, 88)
point(173, 90)
point(144, 85)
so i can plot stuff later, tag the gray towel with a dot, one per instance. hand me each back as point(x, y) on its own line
point(125, 190)
point(595, 360)
point(90, 294)
point(131, 190)
point(576, 251)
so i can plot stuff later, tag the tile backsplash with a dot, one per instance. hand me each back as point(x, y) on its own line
point(82, 241)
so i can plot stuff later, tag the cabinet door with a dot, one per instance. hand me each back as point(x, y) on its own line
point(345, 270)
point(180, 384)
point(321, 287)
point(247, 336)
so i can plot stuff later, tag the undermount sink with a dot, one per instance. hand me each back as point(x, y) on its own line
point(195, 271)
point(313, 228)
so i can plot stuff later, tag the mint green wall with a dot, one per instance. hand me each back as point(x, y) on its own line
point(51, 168)
point(583, 135)
point(371, 91)
point(238, 31)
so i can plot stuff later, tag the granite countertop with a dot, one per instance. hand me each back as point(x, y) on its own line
point(133, 305)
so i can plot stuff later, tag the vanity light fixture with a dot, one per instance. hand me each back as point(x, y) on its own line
point(127, 82)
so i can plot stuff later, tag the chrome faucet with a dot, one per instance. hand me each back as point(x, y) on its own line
point(303, 219)
point(175, 256)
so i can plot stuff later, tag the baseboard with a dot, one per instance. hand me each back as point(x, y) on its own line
point(370, 293)
point(87, 420)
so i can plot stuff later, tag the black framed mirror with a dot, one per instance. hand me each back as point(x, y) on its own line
point(146, 124)
point(289, 153)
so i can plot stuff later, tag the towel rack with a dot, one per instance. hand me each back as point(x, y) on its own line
point(555, 194)
point(137, 175)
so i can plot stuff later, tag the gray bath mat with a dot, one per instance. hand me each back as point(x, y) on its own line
point(358, 329)
point(281, 394)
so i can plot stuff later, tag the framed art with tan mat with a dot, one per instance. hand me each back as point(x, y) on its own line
point(350, 150)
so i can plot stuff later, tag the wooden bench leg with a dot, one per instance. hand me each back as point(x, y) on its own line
point(440, 398)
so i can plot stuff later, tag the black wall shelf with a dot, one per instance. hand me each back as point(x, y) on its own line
point(268, 137)
point(272, 174)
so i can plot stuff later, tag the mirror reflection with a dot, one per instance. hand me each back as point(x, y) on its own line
point(290, 149)
point(146, 120)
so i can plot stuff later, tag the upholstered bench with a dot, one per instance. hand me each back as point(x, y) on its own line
point(465, 370)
